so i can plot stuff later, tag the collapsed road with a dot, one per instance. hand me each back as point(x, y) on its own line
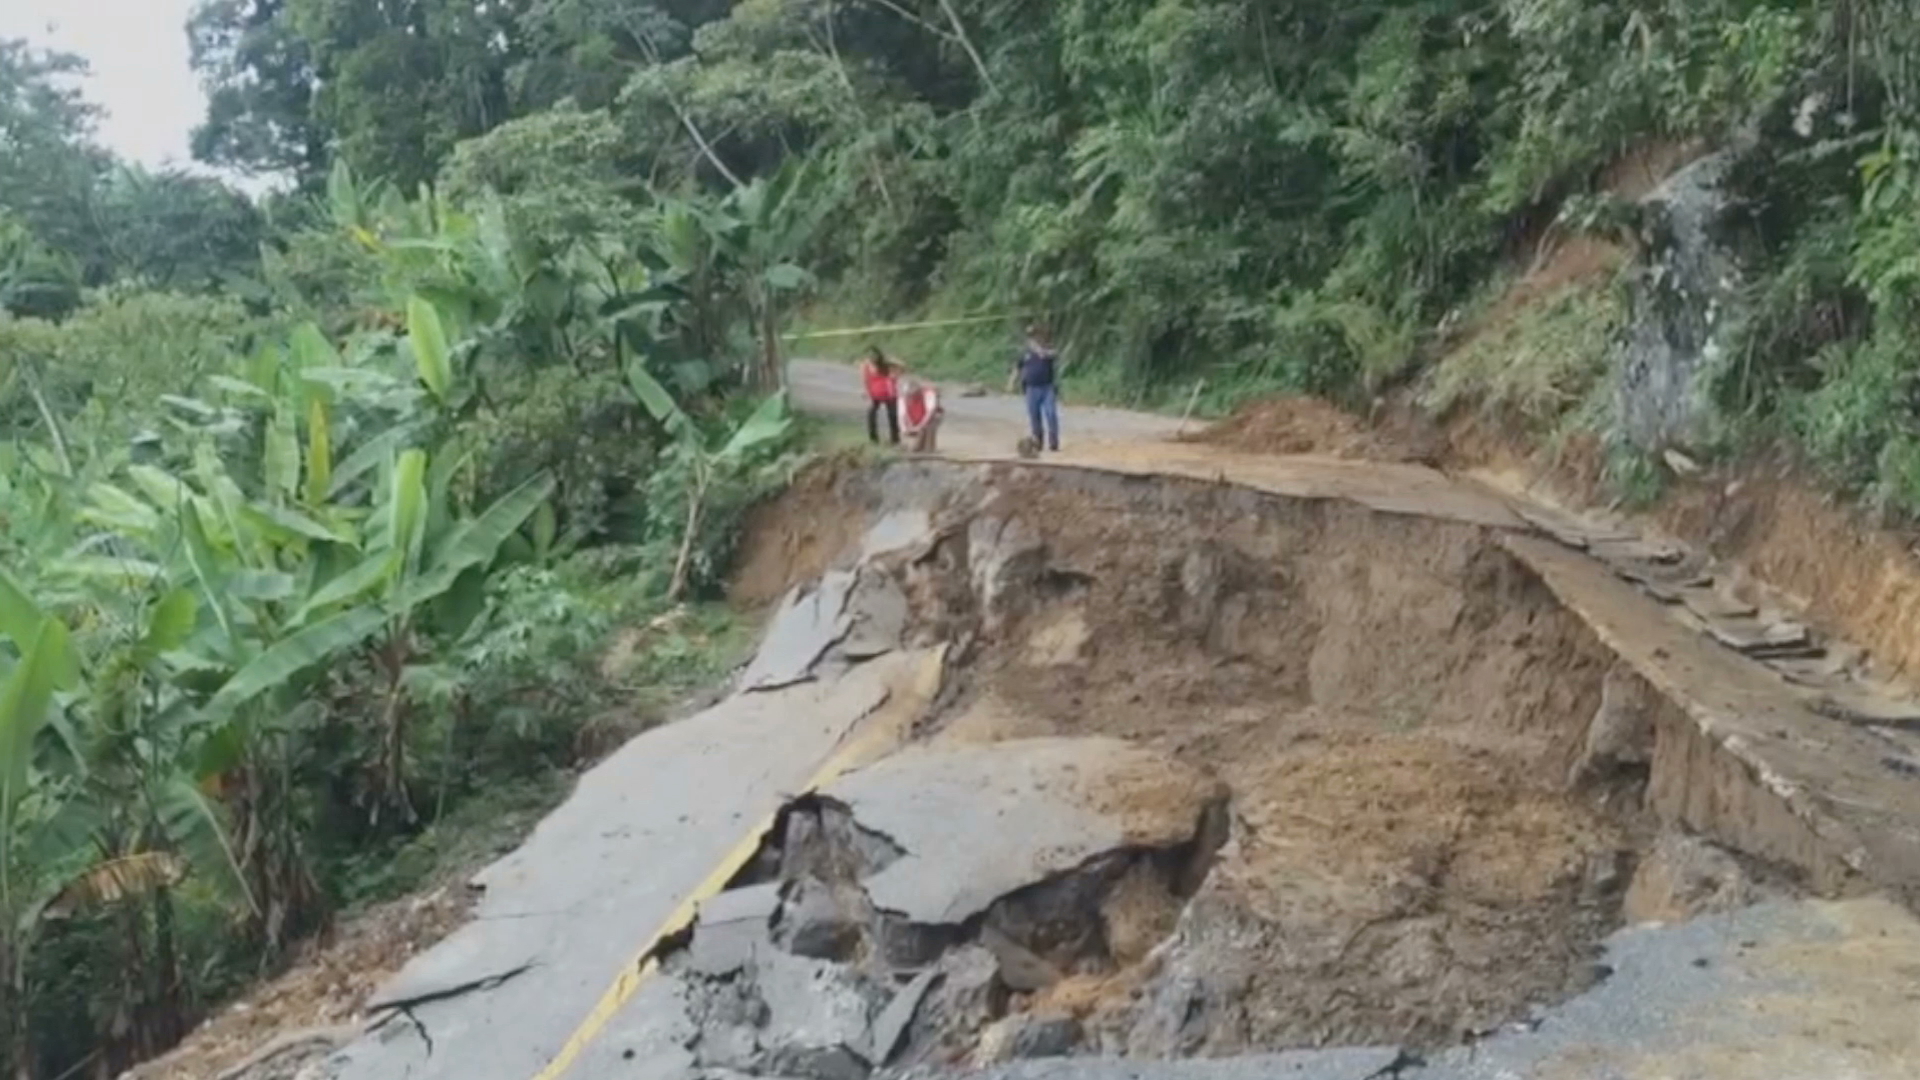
point(1157, 761)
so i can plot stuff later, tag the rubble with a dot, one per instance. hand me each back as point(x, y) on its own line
point(897, 919)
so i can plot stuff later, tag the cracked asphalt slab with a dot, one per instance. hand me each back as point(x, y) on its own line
point(563, 916)
point(977, 823)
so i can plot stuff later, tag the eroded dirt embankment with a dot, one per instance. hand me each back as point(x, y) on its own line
point(1436, 774)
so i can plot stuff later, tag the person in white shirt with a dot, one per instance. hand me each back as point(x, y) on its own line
point(920, 414)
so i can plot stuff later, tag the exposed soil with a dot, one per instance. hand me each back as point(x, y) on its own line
point(796, 535)
point(1560, 263)
point(1304, 425)
point(1636, 173)
point(1394, 703)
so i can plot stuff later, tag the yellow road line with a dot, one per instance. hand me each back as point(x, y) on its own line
point(646, 963)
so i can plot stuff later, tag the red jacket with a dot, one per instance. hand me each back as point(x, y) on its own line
point(880, 387)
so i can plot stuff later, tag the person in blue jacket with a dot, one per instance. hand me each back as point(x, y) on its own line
point(1037, 374)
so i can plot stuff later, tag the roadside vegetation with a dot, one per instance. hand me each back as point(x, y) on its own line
point(318, 559)
point(323, 512)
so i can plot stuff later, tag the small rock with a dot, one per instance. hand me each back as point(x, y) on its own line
point(1061, 642)
point(1681, 463)
point(1025, 1037)
point(819, 922)
point(1045, 1037)
point(966, 998)
point(905, 945)
point(815, 1063)
point(1021, 970)
point(1621, 732)
point(973, 390)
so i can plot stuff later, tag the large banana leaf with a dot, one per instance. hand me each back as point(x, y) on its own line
point(476, 541)
point(162, 488)
point(112, 508)
point(170, 622)
point(659, 404)
point(440, 503)
point(22, 620)
point(238, 387)
point(115, 880)
point(263, 368)
point(262, 586)
point(769, 422)
point(285, 522)
point(310, 348)
point(125, 572)
point(280, 462)
point(371, 455)
point(208, 571)
point(301, 651)
point(194, 825)
point(319, 451)
point(407, 506)
point(428, 337)
point(546, 529)
point(371, 575)
point(24, 700)
point(20, 617)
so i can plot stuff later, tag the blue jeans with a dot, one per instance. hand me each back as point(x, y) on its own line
point(1043, 415)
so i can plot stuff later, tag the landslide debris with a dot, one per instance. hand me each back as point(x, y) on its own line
point(915, 911)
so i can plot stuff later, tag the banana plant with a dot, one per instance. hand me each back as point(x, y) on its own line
point(703, 463)
point(27, 689)
point(764, 227)
point(115, 820)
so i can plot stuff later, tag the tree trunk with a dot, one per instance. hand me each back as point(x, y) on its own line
point(772, 372)
point(16, 1038)
point(393, 729)
point(966, 42)
point(683, 563)
point(170, 992)
point(286, 898)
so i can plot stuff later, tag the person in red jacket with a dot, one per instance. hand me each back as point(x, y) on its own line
point(882, 378)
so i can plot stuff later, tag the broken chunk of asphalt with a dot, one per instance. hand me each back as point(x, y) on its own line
point(883, 1039)
point(810, 622)
point(1028, 1036)
point(978, 823)
point(797, 972)
point(730, 927)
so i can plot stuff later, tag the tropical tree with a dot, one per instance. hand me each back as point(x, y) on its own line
point(763, 229)
point(35, 280)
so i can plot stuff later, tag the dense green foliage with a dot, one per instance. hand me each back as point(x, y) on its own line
point(324, 504)
point(1285, 194)
point(315, 527)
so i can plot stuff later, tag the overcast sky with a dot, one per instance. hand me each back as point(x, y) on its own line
point(138, 51)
